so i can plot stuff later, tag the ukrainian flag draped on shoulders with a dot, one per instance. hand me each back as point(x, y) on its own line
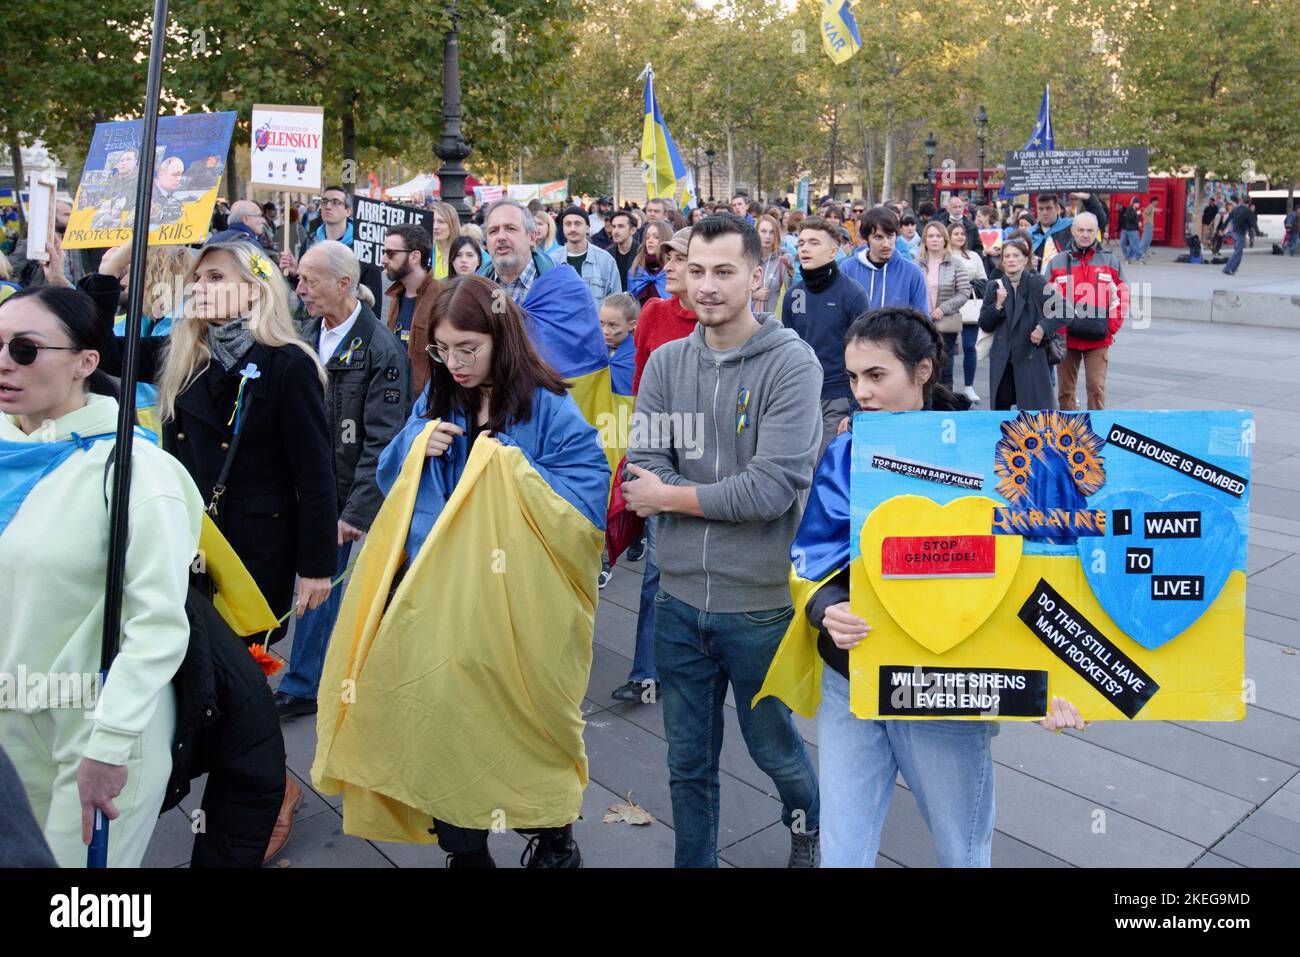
point(564, 326)
point(457, 694)
point(820, 551)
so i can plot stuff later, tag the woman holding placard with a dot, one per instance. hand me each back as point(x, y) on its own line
point(892, 357)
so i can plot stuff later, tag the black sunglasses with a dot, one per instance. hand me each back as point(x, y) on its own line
point(24, 351)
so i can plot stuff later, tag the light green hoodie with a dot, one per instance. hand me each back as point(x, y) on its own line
point(53, 562)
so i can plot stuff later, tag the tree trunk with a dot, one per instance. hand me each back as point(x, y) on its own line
point(868, 160)
point(614, 194)
point(16, 154)
point(1290, 198)
point(835, 129)
point(758, 172)
point(887, 184)
point(233, 190)
point(731, 159)
point(349, 152)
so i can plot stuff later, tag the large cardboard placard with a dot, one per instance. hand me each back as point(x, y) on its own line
point(189, 160)
point(1117, 576)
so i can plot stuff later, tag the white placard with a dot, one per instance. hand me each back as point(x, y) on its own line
point(286, 147)
point(40, 215)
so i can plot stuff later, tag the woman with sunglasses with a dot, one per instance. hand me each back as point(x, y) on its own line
point(58, 422)
point(488, 383)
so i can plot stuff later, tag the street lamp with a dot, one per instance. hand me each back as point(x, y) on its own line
point(709, 154)
point(981, 124)
point(451, 148)
point(931, 145)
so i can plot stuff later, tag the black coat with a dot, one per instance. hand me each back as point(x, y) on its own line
point(279, 511)
point(366, 404)
point(227, 728)
point(1011, 327)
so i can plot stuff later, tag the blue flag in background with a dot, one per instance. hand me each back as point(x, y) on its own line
point(1042, 138)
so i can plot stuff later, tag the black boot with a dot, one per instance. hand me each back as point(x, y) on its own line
point(470, 860)
point(552, 847)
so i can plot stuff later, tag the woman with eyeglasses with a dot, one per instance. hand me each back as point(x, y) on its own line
point(58, 422)
point(488, 383)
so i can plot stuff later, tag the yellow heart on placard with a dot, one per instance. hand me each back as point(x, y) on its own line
point(938, 613)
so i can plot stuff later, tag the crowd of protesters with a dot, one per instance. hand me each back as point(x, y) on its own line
point(287, 407)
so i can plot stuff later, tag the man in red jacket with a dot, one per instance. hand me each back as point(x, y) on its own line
point(1091, 282)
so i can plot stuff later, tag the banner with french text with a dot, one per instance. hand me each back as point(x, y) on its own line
point(1004, 558)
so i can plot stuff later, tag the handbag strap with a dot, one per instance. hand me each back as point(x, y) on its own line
point(219, 488)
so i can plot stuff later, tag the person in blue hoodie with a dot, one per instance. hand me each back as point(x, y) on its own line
point(889, 277)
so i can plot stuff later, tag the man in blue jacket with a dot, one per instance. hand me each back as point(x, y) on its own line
point(889, 277)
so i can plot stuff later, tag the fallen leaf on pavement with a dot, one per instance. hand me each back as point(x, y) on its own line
point(628, 813)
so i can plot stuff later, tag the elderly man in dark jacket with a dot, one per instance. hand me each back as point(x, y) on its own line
point(366, 403)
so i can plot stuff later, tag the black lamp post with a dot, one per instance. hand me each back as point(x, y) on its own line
point(981, 124)
point(709, 154)
point(931, 145)
point(451, 148)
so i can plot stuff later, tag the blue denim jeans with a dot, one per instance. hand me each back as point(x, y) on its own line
point(311, 638)
point(643, 659)
point(970, 332)
point(698, 653)
point(1238, 250)
point(948, 765)
point(1144, 247)
point(1130, 243)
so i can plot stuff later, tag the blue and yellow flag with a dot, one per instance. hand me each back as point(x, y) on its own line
point(666, 176)
point(465, 703)
point(820, 551)
point(840, 36)
point(565, 328)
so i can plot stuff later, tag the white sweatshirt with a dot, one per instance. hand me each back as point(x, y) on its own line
point(53, 562)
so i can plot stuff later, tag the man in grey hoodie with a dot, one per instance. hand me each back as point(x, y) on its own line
point(729, 504)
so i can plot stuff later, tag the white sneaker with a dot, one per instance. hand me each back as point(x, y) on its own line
point(969, 392)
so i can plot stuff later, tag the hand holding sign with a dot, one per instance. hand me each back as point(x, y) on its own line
point(845, 628)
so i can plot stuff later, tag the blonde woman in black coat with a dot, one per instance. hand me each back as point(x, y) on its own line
point(1016, 310)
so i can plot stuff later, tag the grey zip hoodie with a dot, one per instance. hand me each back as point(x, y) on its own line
point(751, 472)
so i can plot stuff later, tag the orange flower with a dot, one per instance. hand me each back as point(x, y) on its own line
point(268, 662)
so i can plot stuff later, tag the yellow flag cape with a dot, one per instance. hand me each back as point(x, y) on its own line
point(238, 599)
point(462, 699)
point(795, 675)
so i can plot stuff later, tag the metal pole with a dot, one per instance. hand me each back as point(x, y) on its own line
point(452, 148)
point(97, 853)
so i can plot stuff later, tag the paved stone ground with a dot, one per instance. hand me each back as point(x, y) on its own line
point(1174, 794)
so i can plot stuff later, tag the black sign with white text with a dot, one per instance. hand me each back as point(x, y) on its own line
point(1189, 465)
point(909, 691)
point(1121, 170)
point(1079, 643)
point(371, 219)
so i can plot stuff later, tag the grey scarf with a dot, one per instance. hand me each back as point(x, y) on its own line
point(230, 342)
